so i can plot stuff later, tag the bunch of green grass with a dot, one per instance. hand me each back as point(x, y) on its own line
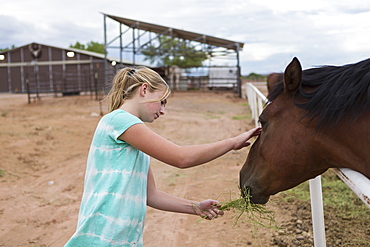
point(245, 209)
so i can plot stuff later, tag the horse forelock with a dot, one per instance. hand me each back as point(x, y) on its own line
point(332, 93)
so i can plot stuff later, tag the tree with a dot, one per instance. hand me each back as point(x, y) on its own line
point(5, 49)
point(95, 46)
point(173, 51)
point(90, 46)
point(255, 77)
point(78, 45)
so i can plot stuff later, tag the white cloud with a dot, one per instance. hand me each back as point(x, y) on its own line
point(317, 31)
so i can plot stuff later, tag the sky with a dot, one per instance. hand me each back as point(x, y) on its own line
point(317, 32)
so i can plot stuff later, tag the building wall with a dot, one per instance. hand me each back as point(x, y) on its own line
point(52, 71)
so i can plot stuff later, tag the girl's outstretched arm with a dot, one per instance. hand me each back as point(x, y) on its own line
point(144, 139)
point(207, 209)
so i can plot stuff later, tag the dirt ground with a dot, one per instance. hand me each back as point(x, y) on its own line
point(43, 151)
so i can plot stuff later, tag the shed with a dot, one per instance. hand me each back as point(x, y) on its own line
point(39, 68)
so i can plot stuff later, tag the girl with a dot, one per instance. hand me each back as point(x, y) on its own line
point(119, 183)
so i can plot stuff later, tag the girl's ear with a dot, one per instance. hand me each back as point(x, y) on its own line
point(143, 89)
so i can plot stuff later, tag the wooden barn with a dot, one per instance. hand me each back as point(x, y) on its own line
point(37, 68)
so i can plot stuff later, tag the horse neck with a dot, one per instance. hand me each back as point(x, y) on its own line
point(347, 146)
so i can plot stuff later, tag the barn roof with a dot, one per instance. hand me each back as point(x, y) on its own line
point(89, 53)
point(85, 52)
point(178, 33)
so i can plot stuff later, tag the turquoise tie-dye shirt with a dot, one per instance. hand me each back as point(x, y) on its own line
point(113, 206)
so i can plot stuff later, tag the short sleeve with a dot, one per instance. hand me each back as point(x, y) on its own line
point(120, 121)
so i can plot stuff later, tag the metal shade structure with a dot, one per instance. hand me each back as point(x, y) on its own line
point(179, 33)
point(142, 35)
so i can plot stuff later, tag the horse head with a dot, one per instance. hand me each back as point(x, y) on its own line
point(291, 149)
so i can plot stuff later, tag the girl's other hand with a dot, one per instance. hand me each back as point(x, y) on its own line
point(208, 209)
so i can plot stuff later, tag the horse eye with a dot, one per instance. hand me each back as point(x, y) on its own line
point(262, 122)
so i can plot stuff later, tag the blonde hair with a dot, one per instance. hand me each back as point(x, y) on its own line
point(127, 80)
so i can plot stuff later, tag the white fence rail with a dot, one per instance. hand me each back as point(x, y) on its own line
point(355, 180)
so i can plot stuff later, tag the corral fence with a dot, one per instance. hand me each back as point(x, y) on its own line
point(355, 180)
point(63, 84)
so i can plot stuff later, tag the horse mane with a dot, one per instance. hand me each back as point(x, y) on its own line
point(332, 93)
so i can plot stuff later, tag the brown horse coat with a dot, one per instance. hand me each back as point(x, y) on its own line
point(303, 137)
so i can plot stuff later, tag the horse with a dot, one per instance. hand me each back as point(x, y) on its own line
point(174, 73)
point(272, 80)
point(316, 119)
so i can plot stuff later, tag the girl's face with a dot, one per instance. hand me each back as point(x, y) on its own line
point(153, 107)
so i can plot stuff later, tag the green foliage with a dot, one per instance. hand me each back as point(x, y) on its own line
point(78, 45)
point(168, 52)
point(90, 46)
point(254, 77)
point(5, 49)
point(95, 46)
point(336, 194)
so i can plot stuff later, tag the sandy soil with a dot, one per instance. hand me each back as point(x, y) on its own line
point(43, 151)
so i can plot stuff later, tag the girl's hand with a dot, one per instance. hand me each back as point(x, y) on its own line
point(208, 209)
point(241, 140)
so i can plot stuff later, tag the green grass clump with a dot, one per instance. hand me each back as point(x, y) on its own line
point(253, 213)
point(244, 209)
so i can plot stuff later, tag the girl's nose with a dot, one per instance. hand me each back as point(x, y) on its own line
point(162, 111)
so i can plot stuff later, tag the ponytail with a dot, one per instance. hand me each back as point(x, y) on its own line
point(127, 80)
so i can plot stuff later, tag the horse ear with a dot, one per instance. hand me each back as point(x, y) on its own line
point(292, 76)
